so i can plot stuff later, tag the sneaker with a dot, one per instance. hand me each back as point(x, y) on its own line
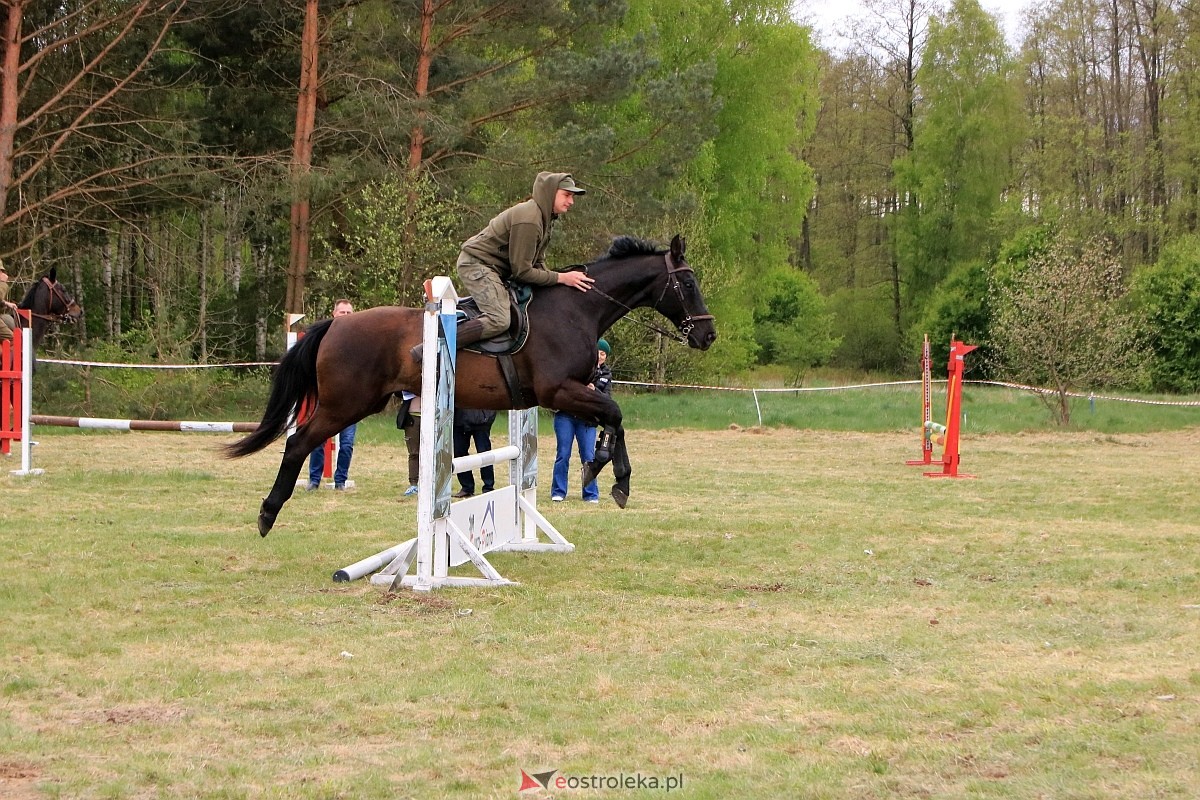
point(312, 487)
point(596, 500)
point(557, 499)
point(410, 491)
point(339, 487)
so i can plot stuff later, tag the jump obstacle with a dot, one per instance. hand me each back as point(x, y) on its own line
point(16, 401)
point(16, 393)
point(449, 534)
point(944, 435)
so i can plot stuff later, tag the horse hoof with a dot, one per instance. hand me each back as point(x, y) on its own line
point(617, 495)
point(265, 523)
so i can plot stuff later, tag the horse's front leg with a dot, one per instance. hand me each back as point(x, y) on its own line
point(621, 470)
point(584, 402)
point(606, 443)
point(610, 446)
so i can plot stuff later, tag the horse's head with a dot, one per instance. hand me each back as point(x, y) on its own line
point(681, 300)
point(50, 301)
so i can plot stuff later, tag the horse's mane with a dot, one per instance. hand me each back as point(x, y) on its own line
point(627, 246)
point(27, 302)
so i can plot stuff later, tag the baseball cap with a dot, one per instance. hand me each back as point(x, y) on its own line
point(568, 184)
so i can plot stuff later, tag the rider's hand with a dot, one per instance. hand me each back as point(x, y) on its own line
point(577, 278)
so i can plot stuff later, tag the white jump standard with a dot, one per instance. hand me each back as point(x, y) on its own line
point(450, 534)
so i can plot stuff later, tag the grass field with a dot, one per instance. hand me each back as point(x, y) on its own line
point(778, 613)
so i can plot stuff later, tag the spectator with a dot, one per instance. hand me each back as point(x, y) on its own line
point(406, 420)
point(316, 461)
point(8, 317)
point(569, 429)
point(472, 425)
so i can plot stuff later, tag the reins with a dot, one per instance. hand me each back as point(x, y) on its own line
point(689, 321)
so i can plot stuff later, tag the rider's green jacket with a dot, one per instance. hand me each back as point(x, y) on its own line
point(514, 242)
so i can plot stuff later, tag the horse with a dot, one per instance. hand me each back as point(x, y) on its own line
point(49, 303)
point(348, 368)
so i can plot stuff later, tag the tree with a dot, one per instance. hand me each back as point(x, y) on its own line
point(791, 324)
point(961, 165)
point(1059, 322)
point(379, 248)
point(752, 179)
point(958, 308)
point(74, 142)
point(1167, 294)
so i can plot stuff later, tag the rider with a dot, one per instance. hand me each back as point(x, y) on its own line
point(513, 247)
point(8, 318)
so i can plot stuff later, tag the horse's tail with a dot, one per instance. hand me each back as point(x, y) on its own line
point(295, 381)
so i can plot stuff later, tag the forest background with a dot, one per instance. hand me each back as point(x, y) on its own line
point(195, 170)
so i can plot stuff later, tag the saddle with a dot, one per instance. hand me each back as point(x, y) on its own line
point(519, 295)
point(503, 346)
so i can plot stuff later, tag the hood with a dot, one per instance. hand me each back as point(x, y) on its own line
point(545, 187)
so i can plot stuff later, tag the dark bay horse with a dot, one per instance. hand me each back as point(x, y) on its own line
point(48, 302)
point(348, 368)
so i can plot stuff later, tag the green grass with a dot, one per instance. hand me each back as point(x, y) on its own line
point(840, 402)
point(778, 613)
point(986, 410)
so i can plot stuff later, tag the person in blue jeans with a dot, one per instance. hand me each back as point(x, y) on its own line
point(569, 430)
point(341, 471)
point(316, 461)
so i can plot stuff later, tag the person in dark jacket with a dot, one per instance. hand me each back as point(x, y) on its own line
point(473, 425)
point(569, 429)
point(513, 248)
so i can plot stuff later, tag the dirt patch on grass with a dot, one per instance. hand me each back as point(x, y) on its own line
point(137, 714)
point(18, 780)
point(408, 602)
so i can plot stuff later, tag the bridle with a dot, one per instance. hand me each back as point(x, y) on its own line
point(689, 319)
point(685, 326)
point(59, 294)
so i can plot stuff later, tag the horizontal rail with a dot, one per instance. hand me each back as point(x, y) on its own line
point(486, 458)
point(186, 426)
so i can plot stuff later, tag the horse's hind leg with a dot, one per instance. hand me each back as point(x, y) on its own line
point(297, 449)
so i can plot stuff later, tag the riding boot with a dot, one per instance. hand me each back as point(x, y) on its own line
point(469, 332)
point(403, 418)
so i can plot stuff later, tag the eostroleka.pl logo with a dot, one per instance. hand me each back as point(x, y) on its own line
point(554, 780)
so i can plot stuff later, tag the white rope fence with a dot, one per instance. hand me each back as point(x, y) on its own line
point(70, 363)
point(753, 391)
